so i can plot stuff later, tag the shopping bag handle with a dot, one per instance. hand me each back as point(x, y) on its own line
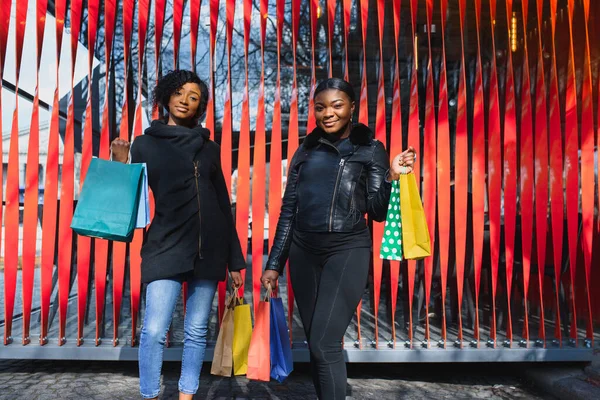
point(268, 293)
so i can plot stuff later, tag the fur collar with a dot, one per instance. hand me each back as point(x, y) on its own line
point(360, 135)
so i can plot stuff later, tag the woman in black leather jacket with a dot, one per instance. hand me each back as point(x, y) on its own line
point(338, 174)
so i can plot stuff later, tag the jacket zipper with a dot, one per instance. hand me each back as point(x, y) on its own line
point(196, 176)
point(337, 181)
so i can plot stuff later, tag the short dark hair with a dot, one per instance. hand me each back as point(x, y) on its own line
point(172, 81)
point(337, 84)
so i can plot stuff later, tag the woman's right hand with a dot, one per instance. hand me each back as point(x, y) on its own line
point(120, 150)
point(269, 277)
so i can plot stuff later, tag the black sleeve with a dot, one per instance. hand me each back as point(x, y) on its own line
point(283, 235)
point(236, 258)
point(378, 189)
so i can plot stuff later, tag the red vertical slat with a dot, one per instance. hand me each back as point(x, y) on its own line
point(414, 138)
point(478, 170)
point(310, 120)
point(30, 212)
point(101, 256)
point(243, 184)
point(11, 242)
point(159, 24)
point(5, 7)
point(135, 260)
point(226, 130)
point(510, 173)
point(443, 170)
point(293, 136)
point(541, 169)
point(51, 187)
point(587, 168)
point(67, 187)
point(120, 248)
point(395, 148)
point(194, 24)
point(331, 7)
point(429, 165)
point(177, 20)
point(346, 15)
point(556, 172)
point(380, 134)
point(571, 167)
point(494, 169)
point(65, 234)
point(461, 174)
point(363, 116)
point(210, 107)
point(259, 168)
point(83, 242)
point(526, 170)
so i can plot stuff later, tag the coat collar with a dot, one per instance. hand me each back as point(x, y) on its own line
point(361, 135)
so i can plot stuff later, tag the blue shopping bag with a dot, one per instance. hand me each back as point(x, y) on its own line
point(282, 364)
point(143, 213)
point(109, 201)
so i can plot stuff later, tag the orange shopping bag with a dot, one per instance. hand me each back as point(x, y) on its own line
point(259, 354)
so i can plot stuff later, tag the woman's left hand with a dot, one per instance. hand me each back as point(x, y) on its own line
point(403, 163)
point(236, 277)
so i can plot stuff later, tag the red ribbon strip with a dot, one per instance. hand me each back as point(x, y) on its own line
point(243, 182)
point(587, 169)
point(194, 24)
point(11, 242)
point(363, 116)
point(65, 234)
point(429, 166)
point(84, 243)
point(510, 173)
point(311, 123)
point(135, 259)
point(395, 148)
point(556, 172)
point(331, 7)
point(380, 134)
point(30, 211)
point(461, 173)
point(541, 166)
point(494, 169)
point(101, 257)
point(210, 107)
point(347, 13)
point(571, 168)
point(5, 7)
point(159, 25)
point(443, 170)
point(259, 168)
point(527, 167)
point(414, 138)
point(177, 20)
point(478, 169)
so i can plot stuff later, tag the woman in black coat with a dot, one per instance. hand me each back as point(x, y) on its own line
point(338, 174)
point(192, 237)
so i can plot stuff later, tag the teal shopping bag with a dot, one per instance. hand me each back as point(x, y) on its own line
point(109, 200)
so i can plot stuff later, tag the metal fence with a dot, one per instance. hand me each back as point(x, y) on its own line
point(500, 99)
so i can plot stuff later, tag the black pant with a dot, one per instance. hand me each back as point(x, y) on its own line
point(328, 288)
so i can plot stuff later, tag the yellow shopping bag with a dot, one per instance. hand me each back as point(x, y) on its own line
point(416, 242)
point(242, 333)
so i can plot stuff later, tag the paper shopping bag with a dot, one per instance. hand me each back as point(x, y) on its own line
point(259, 360)
point(391, 243)
point(242, 334)
point(222, 363)
point(282, 364)
point(415, 234)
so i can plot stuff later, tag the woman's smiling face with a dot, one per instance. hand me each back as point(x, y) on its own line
point(333, 110)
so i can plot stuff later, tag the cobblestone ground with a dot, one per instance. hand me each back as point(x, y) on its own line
point(37, 380)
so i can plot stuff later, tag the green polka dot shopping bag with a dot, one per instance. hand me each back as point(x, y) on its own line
point(406, 235)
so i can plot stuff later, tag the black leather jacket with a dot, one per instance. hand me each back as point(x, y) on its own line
point(330, 188)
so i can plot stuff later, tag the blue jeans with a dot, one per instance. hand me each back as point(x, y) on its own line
point(161, 299)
